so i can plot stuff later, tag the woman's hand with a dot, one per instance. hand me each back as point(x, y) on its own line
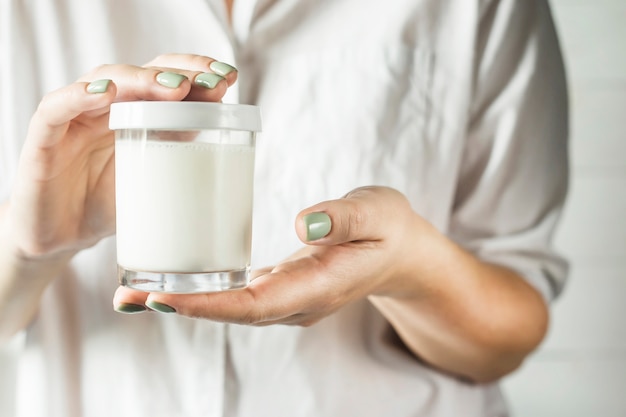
point(360, 255)
point(455, 312)
point(63, 199)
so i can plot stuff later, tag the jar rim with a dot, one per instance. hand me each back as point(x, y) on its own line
point(184, 115)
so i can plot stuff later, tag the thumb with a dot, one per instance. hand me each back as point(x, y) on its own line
point(362, 214)
point(57, 109)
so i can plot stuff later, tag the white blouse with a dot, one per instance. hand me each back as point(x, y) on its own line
point(460, 104)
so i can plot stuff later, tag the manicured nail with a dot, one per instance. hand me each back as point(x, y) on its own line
point(208, 79)
point(170, 79)
point(317, 225)
point(127, 308)
point(221, 68)
point(160, 307)
point(98, 86)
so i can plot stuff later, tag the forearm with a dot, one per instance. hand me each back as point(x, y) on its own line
point(22, 280)
point(474, 319)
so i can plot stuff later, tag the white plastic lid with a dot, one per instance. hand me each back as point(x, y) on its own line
point(184, 115)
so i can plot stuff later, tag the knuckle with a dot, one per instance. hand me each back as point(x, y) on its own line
point(355, 220)
point(200, 61)
point(49, 105)
point(43, 106)
point(159, 59)
point(146, 76)
point(94, 73)
point(308, 322)
point(101, 68)
point(250, 317)
point(252, 314)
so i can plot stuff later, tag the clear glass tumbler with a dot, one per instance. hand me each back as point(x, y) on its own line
point(184, 186)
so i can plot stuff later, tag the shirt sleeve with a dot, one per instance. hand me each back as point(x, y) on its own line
point(514, 173)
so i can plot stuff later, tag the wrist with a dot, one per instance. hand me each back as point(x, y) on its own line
point(21, 260)
point(420, 254)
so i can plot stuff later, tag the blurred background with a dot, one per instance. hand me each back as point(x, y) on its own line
point(580, 371)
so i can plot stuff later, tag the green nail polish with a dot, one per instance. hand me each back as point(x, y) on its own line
point(130, 308)
point(317, 225)
point(170, 79)
point(160, 307)
point(98, 86)
point(221, 68)
point(208, 79)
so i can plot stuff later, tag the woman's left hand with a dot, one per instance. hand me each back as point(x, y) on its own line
point(356, 247)
point(468, 317)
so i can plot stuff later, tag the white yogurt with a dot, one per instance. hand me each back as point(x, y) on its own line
point(183, 207)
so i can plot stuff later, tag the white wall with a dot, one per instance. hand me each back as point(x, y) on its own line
point(580, 371)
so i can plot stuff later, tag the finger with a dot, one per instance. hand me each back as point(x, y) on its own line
point(205, 86)
point(288, 290)
point(197, 63)
point(162, 83)
point(139, 83)
point(58, 108)
point(364, 214)
point(127, 300)
point(250, 305)
point(254, 274)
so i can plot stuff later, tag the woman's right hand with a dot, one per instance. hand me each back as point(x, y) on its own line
point(63, 199)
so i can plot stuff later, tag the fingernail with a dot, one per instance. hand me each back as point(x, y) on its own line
point(160, 307)
point(317, 225)
point(98, 86)
point(208, 79)
point(221, 68)
point(128, 308)
point(170, 79)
